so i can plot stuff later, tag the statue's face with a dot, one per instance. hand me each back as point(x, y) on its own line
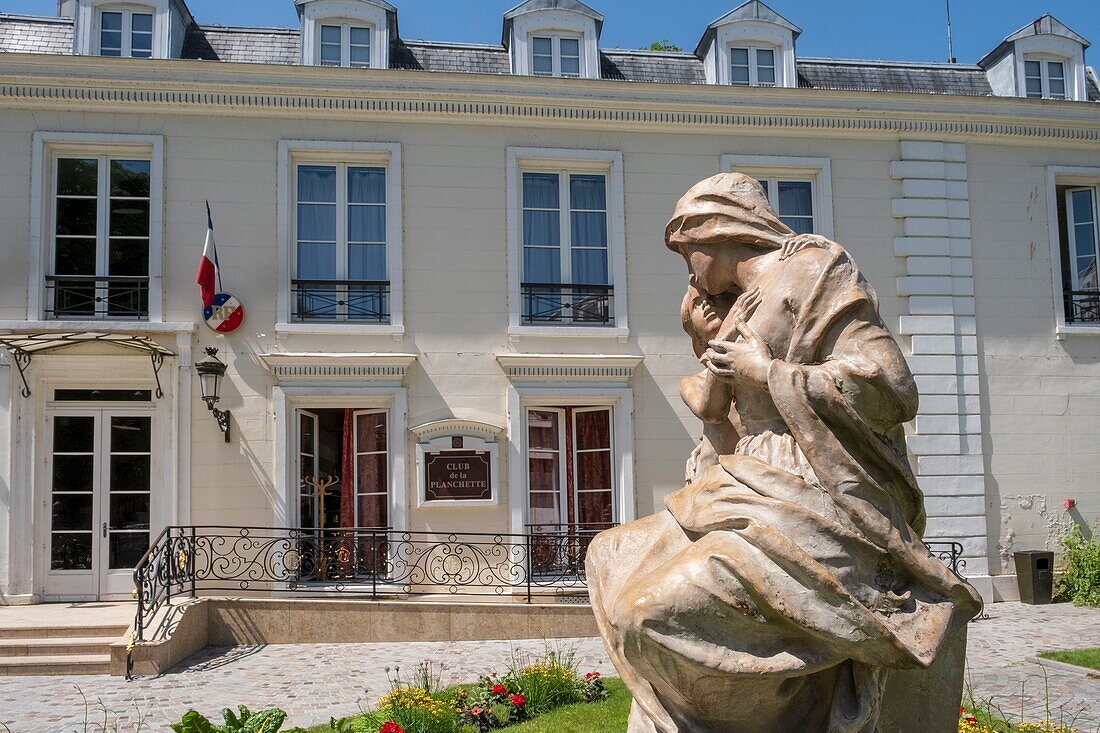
point(713, 269)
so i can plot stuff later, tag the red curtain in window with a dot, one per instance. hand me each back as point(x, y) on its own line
point(347, 470)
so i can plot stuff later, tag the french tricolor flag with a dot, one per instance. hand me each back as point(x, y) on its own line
point(208, 274)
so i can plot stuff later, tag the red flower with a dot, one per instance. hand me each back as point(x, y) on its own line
point(518, 701)
point(498, 689)
point(592, 676)
point(961, 710)
point(391, 727)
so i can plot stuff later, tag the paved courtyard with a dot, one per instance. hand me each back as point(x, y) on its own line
point(313, 682)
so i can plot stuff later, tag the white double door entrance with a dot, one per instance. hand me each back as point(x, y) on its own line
point(99, 468)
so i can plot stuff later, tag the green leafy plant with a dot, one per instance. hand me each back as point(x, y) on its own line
point(1080, 581)
point(244, 721)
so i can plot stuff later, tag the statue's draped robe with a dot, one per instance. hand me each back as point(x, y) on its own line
point(783, 582)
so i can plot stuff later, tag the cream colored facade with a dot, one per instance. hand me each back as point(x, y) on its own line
point(945, 203)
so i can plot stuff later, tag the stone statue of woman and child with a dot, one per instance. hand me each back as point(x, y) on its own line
point(785, 588)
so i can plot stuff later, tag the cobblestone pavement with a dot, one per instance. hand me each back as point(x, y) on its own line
point(315, 681)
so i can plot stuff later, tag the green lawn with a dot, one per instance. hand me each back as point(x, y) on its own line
point(606, 716)
point(1081, 657)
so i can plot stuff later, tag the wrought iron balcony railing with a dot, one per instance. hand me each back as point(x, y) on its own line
point(560, 304)
point(1082, 306)
point(370, 562)
point(376, 563)
point(357, 301)
point(93, 297)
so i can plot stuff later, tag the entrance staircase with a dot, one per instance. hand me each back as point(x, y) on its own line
point(69, 639)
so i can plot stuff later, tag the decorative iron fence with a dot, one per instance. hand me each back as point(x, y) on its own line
point(367, 562)
point(359, 301)
point(92, 297)
point(376, 563)
point(1082, 306)
point(562, 304)
point(949, 553)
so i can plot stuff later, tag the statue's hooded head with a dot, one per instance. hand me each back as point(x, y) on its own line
point(727, 208)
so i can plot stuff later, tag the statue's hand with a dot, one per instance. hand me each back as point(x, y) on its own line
point(799, 242)
point(740, 361)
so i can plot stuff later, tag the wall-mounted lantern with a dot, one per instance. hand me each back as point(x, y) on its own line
point(211, 370)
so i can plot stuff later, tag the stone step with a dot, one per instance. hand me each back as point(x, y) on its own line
point(56, 665)
point(61, 646)
point(108, 631)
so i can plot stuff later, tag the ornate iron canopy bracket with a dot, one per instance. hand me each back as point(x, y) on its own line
point(23, 346)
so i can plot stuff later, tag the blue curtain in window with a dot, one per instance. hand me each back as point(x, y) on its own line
point(541, 228)
point(588, 219)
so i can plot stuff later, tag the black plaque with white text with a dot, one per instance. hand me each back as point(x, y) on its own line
point(458, 476)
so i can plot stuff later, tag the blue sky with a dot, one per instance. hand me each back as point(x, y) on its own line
point(913, 30)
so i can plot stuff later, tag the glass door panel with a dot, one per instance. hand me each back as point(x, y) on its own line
point(73, 508)
point(125, 498)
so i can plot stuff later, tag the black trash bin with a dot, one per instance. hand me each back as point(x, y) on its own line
point(1035, 574)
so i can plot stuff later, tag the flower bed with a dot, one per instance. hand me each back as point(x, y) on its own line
point(983, 721)
point(528, 689)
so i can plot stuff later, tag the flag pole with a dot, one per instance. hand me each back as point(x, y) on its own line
point(217, 265)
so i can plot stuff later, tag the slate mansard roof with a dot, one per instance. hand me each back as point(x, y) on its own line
point(33, 34)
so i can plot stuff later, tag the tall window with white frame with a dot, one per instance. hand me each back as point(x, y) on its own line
point(126, 33)
point(1080, 241)
point(752, 66)
point(344, 45)
point(554, 55)
point(570, 459)
point(1044, 78)
point(101, 233)
point(793, 200)
point(566, 278)
point(340, 263)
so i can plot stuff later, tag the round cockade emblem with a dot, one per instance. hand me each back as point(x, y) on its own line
point(225, 314)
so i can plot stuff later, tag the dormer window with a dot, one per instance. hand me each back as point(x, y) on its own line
point(1044, 78)
point(1043, 60)
point(553, 38)
point(345, 45)
point(126, 33)
point(346, 34)
point(752, 66)
point(750, 46)
point(554, 55)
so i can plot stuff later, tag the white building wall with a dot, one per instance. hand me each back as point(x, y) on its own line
point(995, 470)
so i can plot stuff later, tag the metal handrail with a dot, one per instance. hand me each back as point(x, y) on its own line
point(97, 296)
point(340, 300)
point(1082, 306)
point(949, 553)
point(364, 561)
point(567, 304)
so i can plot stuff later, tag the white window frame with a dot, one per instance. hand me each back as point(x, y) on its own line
point(522, 398)
point(315, 13)
point(753, 49)
point(345, 27)
point(377, 154)
point(1076, 177)
point(47, 148)
point(609, 162)
point(127, 12)
point(556, 38)
point(1071, 229)
point(1044, 61)
point(818, 171)
point(288, 399)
